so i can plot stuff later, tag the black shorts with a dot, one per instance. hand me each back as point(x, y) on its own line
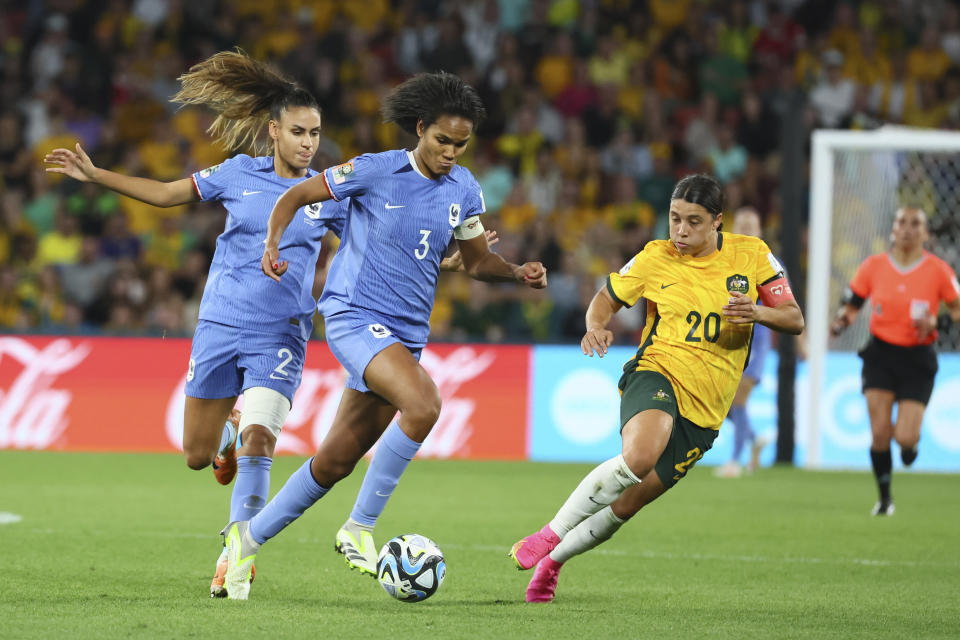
point(906, 371)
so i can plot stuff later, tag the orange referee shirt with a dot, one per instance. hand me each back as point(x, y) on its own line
point(899, 295)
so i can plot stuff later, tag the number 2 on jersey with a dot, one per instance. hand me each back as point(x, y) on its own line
point(424, 235)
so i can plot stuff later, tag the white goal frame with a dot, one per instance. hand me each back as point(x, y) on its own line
point(819, 307)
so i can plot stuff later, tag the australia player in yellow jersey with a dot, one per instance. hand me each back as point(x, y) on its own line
point(701, 288)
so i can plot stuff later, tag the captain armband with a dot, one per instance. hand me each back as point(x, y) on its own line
point(469, 228)
point(852, 299)
point(775, 291)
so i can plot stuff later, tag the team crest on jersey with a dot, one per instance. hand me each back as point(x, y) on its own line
point(342, 172)
point(313, 210)
point(209, 171)
point(454, 215)
point(661, 396)
point(738, 283)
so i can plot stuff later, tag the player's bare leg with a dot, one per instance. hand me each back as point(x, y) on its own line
point(880, 406)
point(203, 425)
point(907, 429)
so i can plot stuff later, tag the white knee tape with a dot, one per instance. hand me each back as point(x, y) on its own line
point(265, 407)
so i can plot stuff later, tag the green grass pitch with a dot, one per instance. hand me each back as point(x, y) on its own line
point(118, 546)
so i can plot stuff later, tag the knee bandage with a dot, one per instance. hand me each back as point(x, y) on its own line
point(265, 407)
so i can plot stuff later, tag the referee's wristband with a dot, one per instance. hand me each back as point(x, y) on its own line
point(943, 322)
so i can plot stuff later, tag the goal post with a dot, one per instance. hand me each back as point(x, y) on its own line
point(858, 180)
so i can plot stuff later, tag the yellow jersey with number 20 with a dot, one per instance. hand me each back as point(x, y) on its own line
point(685, 337)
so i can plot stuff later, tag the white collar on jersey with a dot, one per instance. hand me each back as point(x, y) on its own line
point(413, 163)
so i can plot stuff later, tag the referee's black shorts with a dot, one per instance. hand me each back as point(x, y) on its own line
point(906, 371)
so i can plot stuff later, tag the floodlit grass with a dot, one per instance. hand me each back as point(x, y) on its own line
point(117, 546)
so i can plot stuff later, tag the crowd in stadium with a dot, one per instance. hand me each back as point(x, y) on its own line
point(595, 109)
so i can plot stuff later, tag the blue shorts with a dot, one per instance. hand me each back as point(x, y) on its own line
point(356, 336)
point(758, 353)
point(226, 361)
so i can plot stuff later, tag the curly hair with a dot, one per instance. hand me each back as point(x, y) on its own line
point(427, 96)
point(245, 94)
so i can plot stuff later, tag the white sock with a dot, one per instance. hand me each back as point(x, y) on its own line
point(586, 535)
point(602, 486)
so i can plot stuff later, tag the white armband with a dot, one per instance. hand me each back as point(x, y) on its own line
point(469, 228)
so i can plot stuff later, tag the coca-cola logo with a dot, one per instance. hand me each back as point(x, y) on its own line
point(315, 405)
point(32, 412)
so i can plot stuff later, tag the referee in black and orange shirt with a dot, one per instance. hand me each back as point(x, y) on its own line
point(905, 287)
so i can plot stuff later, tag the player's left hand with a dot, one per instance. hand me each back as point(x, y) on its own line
point(532, 274)
point(740, 309)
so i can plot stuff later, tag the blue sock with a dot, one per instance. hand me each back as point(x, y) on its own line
point(252, 487)
point(295, 497)
point(393, 454)
point(227, 437)
point(742, 433)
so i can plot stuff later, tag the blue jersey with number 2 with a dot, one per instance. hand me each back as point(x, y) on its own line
point(237, 293)
point(399, 224)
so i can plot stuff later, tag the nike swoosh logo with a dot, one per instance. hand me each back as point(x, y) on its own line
point(276, 377)
point(394, 206)
point(595, 502)
point(250, 193)
point(383, 495)
point(664, 286)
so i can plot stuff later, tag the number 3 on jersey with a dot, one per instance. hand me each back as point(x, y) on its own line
point(424, 245)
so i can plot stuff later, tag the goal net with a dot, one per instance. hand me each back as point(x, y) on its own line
point(858, 180)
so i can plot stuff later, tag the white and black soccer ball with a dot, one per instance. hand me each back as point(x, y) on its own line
point(411, 567)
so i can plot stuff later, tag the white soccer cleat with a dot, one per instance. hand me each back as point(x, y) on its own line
point(358, 549)
point(241, 552)
point(882, 509)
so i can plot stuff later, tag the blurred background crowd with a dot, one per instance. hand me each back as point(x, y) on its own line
point(596, 107)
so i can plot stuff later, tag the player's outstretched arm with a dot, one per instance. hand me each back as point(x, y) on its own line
point(303, 193)
point(77, 165)
point(482, 264)
point(598, 338)
point(454, 262)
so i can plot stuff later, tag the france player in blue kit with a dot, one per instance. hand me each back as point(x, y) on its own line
point(252, 332)
point(405, 209)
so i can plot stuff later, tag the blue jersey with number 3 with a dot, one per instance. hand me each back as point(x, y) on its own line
point(398, 227)
point(237, 292)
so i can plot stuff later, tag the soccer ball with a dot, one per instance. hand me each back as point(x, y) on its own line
point(411, 567)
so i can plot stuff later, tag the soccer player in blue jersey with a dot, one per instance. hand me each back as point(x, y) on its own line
point(405, 209)
point(252, 334)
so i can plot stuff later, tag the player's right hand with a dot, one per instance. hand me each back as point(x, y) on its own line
point(76, 164)
point(596, 340)
point(271, 264)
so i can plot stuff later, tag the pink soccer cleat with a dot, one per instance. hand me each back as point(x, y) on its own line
point(543, 584)
point(529, 551)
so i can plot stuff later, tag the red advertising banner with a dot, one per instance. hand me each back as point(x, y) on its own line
point(126, 394)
